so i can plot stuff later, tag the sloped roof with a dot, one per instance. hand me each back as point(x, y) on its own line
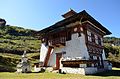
point(73, 18)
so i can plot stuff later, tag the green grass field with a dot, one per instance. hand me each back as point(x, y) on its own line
point(114, 74)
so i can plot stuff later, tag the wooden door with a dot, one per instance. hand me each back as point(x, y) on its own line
point(58, 56)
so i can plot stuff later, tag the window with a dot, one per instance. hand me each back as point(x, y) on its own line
point(96, 39)
point(93, 37)
point(68, 36)
point(89, 36)
point(102, 41)
point(94, 57)
point(91, 57)
point(99, 40)
point(71, 65)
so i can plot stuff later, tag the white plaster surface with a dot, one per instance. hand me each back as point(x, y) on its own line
point(103, 55)
point(88, 70)
point(43, 52)
point(52, 59)
point(76, 47)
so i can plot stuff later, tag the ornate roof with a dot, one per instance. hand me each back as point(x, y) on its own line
point(76, 17)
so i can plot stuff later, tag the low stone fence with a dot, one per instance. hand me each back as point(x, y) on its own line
point(84, 71)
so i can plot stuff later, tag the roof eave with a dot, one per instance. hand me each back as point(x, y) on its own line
point(83, 14)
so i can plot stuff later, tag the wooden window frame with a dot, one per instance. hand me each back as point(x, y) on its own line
point(68, 37)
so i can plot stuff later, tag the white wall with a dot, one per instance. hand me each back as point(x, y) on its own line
point(43, 52)
point(103, 55)
point(73, 70)
point(52, 59)
point(76, 47)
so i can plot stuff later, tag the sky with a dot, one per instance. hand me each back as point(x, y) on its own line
point(39, 14)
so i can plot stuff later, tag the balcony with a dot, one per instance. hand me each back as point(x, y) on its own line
point(57, 41)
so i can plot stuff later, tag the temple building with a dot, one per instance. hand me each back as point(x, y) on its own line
point(74, 44)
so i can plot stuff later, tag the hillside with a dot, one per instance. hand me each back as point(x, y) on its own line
point(112, 40)
point(112, 49)
point(13, 31)
point(13, 41)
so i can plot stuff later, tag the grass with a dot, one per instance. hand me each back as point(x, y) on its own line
point(47, 75)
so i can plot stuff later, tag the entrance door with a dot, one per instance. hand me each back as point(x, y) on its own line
point(58, 56)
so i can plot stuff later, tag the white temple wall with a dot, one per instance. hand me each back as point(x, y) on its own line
point(76, 47)
point(43, 52)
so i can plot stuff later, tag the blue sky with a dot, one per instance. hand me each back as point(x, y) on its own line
point(38, 14)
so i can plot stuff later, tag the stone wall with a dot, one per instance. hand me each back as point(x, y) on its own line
point(83, 71)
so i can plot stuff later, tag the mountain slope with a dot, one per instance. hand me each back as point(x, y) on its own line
point(14, 31)
point(15, 40)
